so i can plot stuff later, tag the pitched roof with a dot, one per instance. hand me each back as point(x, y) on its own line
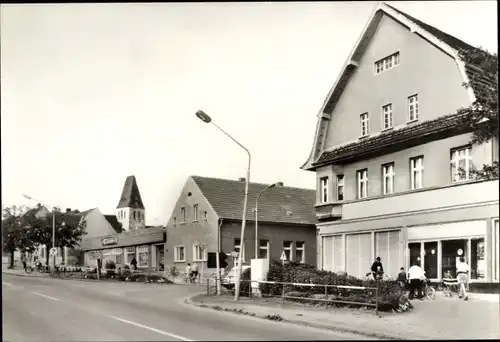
point(113, 221)
point(448, 43)
point(131, 197)
point(281, 204)
point(135, 237)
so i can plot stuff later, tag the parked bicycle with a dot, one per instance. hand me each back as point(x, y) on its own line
point(429, 290)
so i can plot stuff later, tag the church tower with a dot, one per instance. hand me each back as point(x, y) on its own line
point(130, 210)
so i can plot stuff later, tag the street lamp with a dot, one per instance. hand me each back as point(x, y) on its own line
point(257, 219)
point(53, 225)
point(207, 119)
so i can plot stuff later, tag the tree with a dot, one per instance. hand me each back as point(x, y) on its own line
point(12, 225)
point(69, 230)
point(481, 117)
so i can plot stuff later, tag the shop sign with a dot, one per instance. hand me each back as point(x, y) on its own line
point(94, 255)
point(112, 240)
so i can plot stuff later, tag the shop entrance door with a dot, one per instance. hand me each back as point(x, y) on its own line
point(160, 255)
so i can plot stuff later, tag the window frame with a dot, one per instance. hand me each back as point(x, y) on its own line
point(389, 115)
point(196, 253)
point(176, 253)
point(382, 64)
point(387, 174)
point(174, 219)
point(419, 169)
point(266, 248)
point(324, 183)
point(195, 212)
point(340, 185)
point(414, 103)
point(364, 119)
point(455, 163)
point(131, 250)
point(183, 215)
point(362, 180)
point(303, 249)
point(205, 215)
point(138, 251)
point(288, 249)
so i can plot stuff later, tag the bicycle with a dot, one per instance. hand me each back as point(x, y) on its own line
point(39, 267)
point(429, 291)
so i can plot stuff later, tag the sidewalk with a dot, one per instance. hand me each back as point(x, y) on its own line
point(19, 271)
point(442, 318)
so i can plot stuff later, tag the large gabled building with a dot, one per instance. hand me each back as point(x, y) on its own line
point(386, 153)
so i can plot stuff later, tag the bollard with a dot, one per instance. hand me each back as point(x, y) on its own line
point(326, 297)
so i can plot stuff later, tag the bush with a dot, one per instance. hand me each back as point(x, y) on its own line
point(390, 295)
point(245, 285)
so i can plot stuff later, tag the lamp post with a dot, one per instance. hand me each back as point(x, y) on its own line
point(53, 225)
point(257, 219)
point(207, 119)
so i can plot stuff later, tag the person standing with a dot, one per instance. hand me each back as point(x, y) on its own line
point(402, 278)
point(414, 274)
point(188, 272)
point(462, 277)
point(23, 259)
point(133, 264)
point(377, 269)
point(194, 272)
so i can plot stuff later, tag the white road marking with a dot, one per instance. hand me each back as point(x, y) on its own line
point(41, 294)
point(152, 329)
point(8, 284)
point(77, 285)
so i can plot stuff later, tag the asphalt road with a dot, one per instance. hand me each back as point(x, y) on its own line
point(42, 309)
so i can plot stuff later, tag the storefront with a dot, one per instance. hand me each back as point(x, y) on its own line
point(439, 247)
point(141, 245)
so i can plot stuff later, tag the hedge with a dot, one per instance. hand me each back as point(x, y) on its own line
point(389, 293)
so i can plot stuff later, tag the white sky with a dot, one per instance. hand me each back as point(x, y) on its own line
point(92, 93)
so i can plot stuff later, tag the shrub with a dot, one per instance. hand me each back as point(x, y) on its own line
point(245, 285)
point(390, 295)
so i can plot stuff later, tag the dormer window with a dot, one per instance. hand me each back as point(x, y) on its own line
point(386, 63)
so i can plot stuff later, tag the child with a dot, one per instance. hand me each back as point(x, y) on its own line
point(402, 278)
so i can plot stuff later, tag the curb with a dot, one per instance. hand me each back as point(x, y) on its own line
point(189, 300)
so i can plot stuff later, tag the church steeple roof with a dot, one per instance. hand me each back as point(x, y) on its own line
point(131, 197)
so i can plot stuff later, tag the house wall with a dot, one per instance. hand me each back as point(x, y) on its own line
point(276, 234)
point(437, 168)
point(126, 217)
point(190, 232)
point(432, 81)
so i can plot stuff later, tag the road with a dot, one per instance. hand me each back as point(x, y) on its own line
point(44, 309)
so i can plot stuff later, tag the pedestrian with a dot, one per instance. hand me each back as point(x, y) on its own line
point(23, 260)
point(194, 271)
point(377, 269)
point(414, 274)
point(188, 272)
point(402, 278)
point(133, 264)
point(462, 277)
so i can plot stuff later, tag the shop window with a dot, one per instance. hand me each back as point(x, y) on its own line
point(129, 254)
point(263, 249)
point(477, 259)
point(431, 260)
point(142, 256)
point(451, 251)
point(414, 248)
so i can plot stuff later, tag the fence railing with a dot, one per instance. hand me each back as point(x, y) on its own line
point(327, 291)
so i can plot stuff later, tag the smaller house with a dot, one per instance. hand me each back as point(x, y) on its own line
point(207, 218)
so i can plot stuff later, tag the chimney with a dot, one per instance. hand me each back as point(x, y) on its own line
point(242, 179)
point(68, 210)
point(279, 183)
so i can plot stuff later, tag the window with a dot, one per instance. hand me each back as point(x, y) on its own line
point(239, 249)
point(129, 254)
point(135, 215)
point(287, 247)
point(416, 172)
point(388, 178)
point(461, 164)
point(138, 215)
point(263, 249)
point(183, 215)
point(477, 259)
point(365, 124)
point(324, 189)
point(174, 222)
point(199, 253)
point(362, 176)
point(195, 212)
point(205, 215)
point(179, 254)
point(299, 252)
point(143, 256)
point(387, 116)
point(413, 108)
point(386, 63)
point(340, 187)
